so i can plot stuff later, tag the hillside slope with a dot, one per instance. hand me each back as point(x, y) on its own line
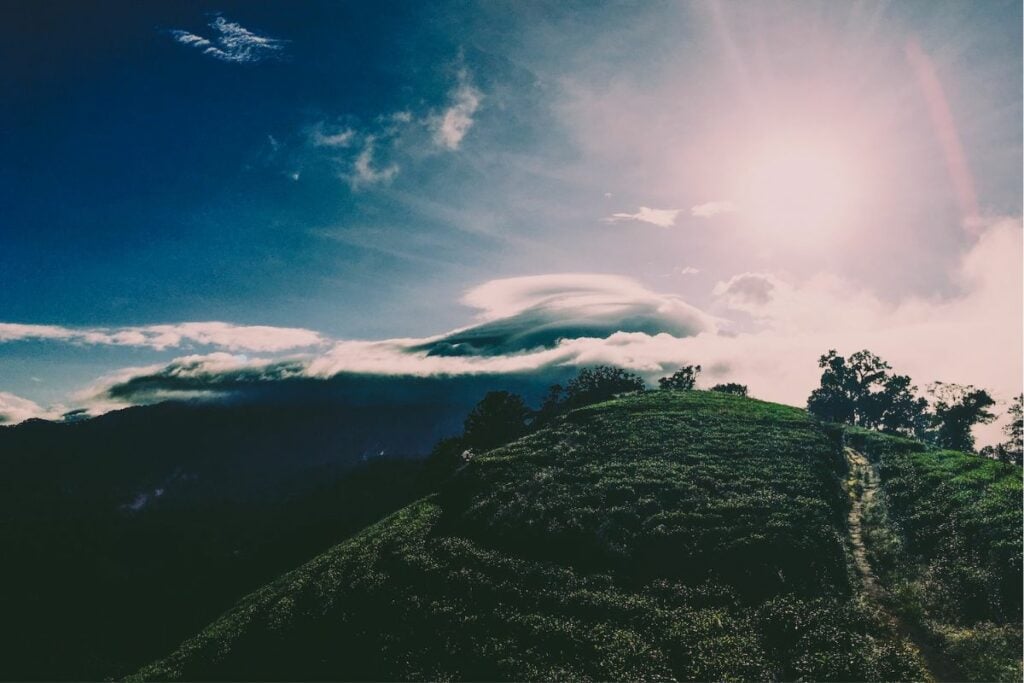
point(945, 536)
point(688, 535)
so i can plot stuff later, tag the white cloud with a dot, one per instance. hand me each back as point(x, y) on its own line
point(451, 126)
point(233, 43)
point(685, 270)
point(160, 337)
point(664, 218)
point(712, 209)
point(14, 409)
point(538, 323)
point(363, 171)
point(342, 138)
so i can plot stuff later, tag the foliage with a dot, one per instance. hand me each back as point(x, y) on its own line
point(668, 535)
point(682, 379)
point(956, 558)
point(497, 419)
point(957, 408)
point(731, 388)
point(1012, 450)
point(860, 391)
point(600, 383)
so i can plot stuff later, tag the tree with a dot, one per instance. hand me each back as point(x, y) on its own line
point(497, 419)
point(552, 405)
point(848, 389)
point(1013, 449)
point(731, 388)
point(957, 408)
point(861, 391)
point(902, 411)
point(682, 379)
point(600, 383)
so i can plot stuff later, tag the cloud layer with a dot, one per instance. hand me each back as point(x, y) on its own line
point(159, 337)
point(546, 326)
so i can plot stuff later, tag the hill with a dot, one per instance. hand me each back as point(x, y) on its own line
point(685, 535)
point(945, 536)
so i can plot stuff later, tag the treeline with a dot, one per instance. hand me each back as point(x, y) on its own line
point(861, 390)
point(501, 416)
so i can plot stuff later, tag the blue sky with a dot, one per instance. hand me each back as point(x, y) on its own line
point(354, 169)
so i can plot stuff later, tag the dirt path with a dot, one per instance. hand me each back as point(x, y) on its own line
point(863, 485)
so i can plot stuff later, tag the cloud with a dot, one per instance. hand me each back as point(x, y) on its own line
point(685, 270)
point(14, 409)
point(664, 218)
point(541, 326)
point(545, 326)
point(528, 313)
point(712, 209)
point(342, 138)
point(747, 291)
point(233, 43)
point(452, 125)
point(363, 171)
point(258, 338)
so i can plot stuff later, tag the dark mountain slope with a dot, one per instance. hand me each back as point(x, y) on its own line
point(688, 535)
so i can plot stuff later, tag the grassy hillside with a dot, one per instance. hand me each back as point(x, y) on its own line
point(946, 537)
point(688, 535)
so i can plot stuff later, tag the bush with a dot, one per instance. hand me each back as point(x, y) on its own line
point(731, 388)
point(682, 379)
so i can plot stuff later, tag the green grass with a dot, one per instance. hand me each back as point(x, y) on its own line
point(946, 534)
point(685, 535)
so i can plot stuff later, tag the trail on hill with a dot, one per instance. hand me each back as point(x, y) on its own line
point(862, 472)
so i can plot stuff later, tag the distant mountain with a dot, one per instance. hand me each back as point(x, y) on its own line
point(671, 535)
point(125, 533)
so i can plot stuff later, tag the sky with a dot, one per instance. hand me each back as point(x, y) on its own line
point(207, 191)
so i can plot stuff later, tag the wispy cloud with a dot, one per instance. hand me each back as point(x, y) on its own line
point(451, 126)
point(320, 137)
point(712, 209)
point(664, 218)
point(160, 337)
point(365, 172)
point(232, 43)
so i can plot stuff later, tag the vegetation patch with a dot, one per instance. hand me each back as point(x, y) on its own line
point(673, 534)
point(945, 535)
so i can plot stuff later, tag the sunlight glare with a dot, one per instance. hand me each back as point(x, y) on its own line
point(800, 191)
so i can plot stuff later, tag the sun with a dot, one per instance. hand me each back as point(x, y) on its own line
point(800, 190)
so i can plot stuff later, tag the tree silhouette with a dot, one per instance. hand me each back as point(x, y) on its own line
point(684, 378)
point(957, 408)
point(860, 391)
point(731, 388)
point(600, 383)
point(496, 420)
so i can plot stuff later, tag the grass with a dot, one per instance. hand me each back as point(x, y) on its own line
point(946, 535)
point(683, 535)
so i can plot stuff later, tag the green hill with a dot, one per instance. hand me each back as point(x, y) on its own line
point(945, 537)
point(684, 535)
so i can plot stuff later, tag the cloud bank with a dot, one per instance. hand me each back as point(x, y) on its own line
point(547, 326)
point(159, 337)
